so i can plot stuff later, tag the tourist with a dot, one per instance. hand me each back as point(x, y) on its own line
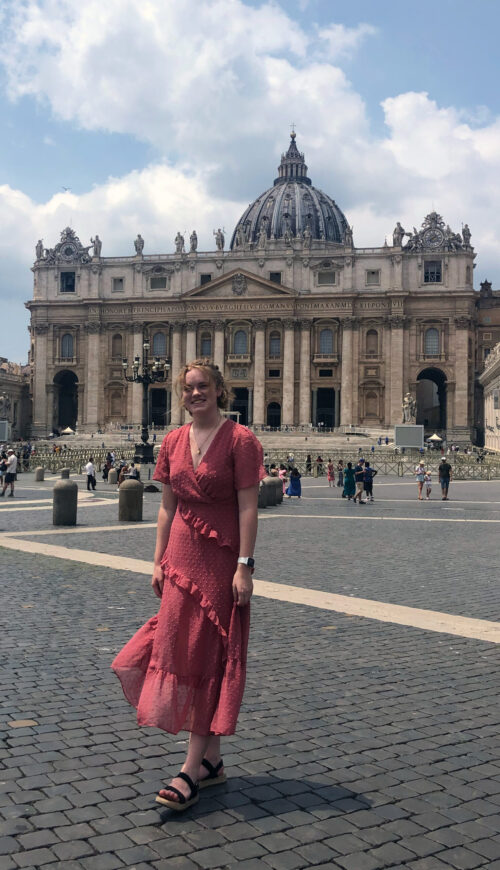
point(308, 463)
point(349, 482)
point(294, 486)
point(330, 473)
point(133, 472)
point(340, 474)
point(386, 440)
point(122, 474)
point(359, 474)
point(3, 464)
point(185, 669)
point(90, 472)
point(445, 475)
point(282, 476)
point(368, 480)
point(428, 483)
point(10, 472)
point(420, 477)
point(319, 464)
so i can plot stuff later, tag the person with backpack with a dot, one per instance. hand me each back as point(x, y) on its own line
point(368, 480)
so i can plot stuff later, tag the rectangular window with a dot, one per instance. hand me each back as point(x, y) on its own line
point(117, 285)
point(205, 278)
point(274, 373)
point(432, 272)
point(275, 277)
point(495, 400)
point(326, 373)
point(158, 283)
point(486, 352)
point(487, 336)
point(328, 276)
point(372, 277)
point(67, 282)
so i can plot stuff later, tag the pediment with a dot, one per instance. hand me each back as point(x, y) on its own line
point(239, 284)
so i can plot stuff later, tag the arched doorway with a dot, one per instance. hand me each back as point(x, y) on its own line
point(431, 399)
point(240, 403)
point(67, 399)
point(274, 415)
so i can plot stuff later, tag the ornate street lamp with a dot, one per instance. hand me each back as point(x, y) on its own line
point(153, 371)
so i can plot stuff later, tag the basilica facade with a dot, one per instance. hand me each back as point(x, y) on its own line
point(308, 328)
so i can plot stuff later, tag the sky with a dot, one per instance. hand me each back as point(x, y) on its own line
point(155, 116)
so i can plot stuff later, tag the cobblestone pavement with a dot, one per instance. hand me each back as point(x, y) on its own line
point(361, 744)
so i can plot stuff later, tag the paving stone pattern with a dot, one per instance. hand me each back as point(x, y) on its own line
point(361, 744)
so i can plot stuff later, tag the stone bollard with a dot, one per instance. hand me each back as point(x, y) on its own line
point(130, 501)
point(112, 475)
point(278, 485)
point(270, 486)
point(65, 502)
point(65, 473)
point(39, 474)
point(262, 502)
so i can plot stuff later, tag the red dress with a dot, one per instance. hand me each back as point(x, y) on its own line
point(185, 668)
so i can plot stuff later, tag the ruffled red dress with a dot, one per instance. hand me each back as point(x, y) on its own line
point(185, 668)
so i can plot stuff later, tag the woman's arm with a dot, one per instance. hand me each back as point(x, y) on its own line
point(247, 512)
point(165, 518)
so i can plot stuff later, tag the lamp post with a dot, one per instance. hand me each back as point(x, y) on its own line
point(153, 371)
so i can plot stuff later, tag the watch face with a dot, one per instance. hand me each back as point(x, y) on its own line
point(433, 238)
point(68, 251)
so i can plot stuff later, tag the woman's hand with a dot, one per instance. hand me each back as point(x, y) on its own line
point(242, 585)
point(157, 581)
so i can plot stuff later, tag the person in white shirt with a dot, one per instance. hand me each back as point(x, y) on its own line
point(10, 473)
point(90, 470)
point(428, 483)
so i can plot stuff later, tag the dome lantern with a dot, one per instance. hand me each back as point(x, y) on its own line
point(292, 166)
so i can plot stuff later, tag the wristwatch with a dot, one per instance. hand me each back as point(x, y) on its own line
point(246, 560)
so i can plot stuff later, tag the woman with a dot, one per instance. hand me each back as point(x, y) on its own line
point(308, 463)
point(349, 481)
point(185, 669)
point(330, 473)
point(340, 473)
point(294, 487)
point(420, 477)
point(282, 476)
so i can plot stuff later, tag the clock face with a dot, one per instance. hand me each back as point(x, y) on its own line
point(433, 238)
point(68, 251)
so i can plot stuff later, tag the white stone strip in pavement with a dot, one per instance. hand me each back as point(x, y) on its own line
point(427, 620)
point(364, 517)
point(10, 508)
point(81, 530)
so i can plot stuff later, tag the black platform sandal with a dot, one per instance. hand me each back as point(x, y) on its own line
point(214, 777)
point(184, 802)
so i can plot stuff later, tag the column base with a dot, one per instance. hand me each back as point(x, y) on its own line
point(460, 435)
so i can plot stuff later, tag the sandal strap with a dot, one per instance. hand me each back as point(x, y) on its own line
point(213, 771)
point(182, 797)
point(193, 786)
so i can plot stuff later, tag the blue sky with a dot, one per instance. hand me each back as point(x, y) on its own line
point(162, 116)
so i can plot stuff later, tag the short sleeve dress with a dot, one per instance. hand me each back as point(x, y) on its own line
point(185, 668)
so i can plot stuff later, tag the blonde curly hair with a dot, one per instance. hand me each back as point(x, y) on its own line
point(211, 371)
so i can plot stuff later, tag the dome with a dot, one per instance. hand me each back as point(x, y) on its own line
point(290, 207)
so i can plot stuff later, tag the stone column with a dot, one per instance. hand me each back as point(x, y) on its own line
point(305, 373)
point(461, 403)
point(190, 341)
point(314, 416)
point(396, 368)
point(92, 377)
point(259, 373)
point(347, 386)
point(288, 373)
point(40, 362)
point(175, 417)
point(138, 330)
point(337, 408)
point(52, 392)
point(219, 345)
point(250, 406)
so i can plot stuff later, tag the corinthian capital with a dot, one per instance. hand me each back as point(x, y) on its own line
point(462, 322)
point(289, 323)
point(41, 328)
point(350, 322)
point(218, 324)
point(397, 321)
point(259, 324)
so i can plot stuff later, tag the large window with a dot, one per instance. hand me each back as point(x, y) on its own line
point(205, 278)
point(275, 277)
point(206, 344)
point(240, 341)
point(372, 277)
point(275, 345)
point(158, 283)
point(116, 346)
point(432, 272)
point(326, 341)
point(67, 282)
point(159, 344)
point(372, 342)
point(327, 276)
point(67, 345)
point(431, 342)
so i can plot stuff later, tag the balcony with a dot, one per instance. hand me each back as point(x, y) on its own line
point(431, 357)
point(321, 359)
point(238, 359)
point(66, 361)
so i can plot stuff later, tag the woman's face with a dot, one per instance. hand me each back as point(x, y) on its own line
point(199, 393)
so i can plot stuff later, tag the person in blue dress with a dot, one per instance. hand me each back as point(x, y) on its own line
point(294, 487)
point(349, 482)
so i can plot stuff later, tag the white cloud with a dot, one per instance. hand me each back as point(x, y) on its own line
point(342, 41)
